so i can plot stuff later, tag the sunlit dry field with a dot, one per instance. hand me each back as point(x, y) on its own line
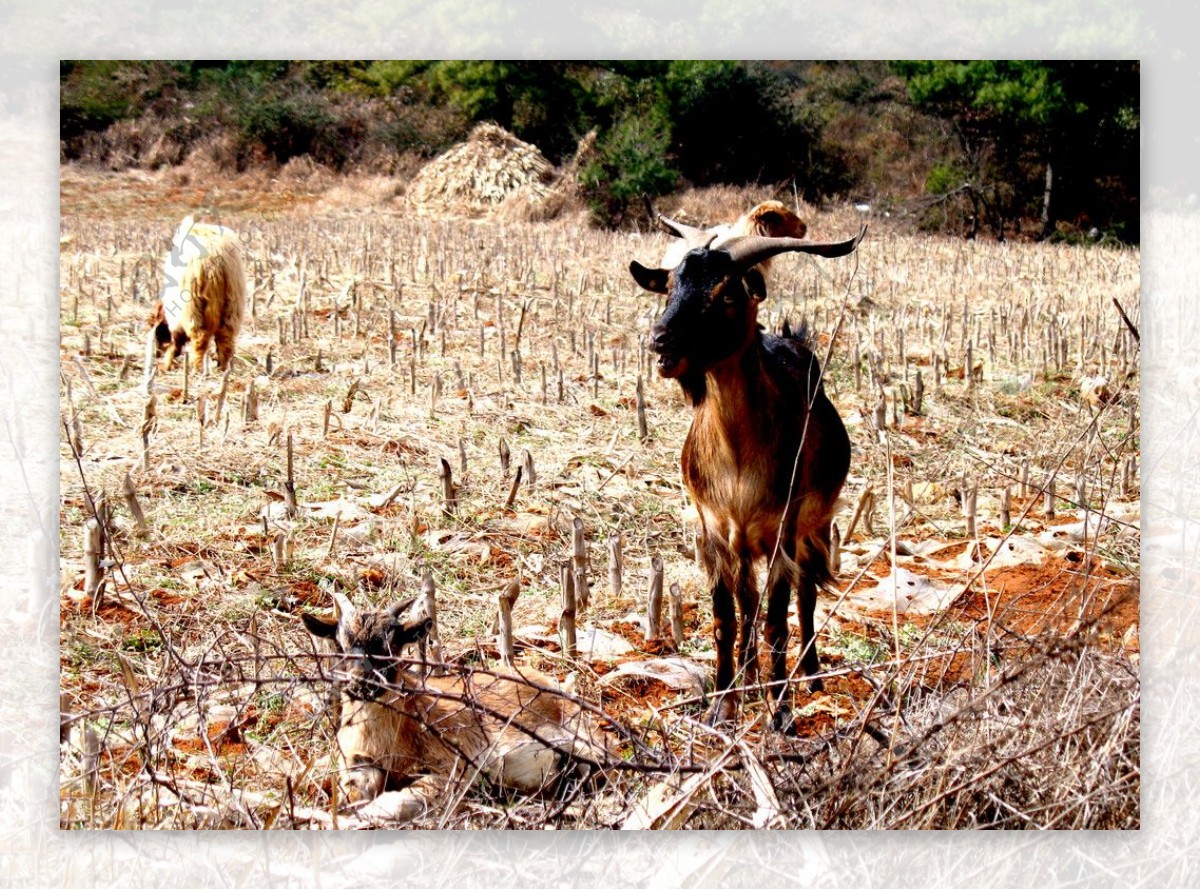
point(981, 661)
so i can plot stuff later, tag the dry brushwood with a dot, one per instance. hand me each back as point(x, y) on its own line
point(492, 166)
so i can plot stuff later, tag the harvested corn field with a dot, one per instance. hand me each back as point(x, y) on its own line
point(443, 407)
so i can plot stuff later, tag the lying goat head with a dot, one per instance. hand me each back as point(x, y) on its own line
point(369, 644)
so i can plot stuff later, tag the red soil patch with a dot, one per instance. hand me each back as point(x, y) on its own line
point(110, 611)
point(166, 597)
point(308, 592)
point(1057, 595)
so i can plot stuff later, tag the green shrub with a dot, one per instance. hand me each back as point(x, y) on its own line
point(286, 126)
point(95, 94)
point(943, 178)
point(631, 160)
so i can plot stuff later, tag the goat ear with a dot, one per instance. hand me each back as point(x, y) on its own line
point(770, 219)
point(756, 286)
point(320, 627)
point(653, 280)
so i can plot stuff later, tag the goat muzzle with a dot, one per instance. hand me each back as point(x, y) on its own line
point(362, 682)
point(364, 690)
point(670, 362)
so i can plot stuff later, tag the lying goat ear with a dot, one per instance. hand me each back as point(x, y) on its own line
point(320, 627)
point(413, 631)
point(654, 280)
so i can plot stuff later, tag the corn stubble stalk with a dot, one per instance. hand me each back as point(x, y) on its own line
point(149, 420)
point(504, 637)
point(643, 428)
point(431, 646)
point(566, 620)
point(129, 492)
point(93, 555)
point(677, 616)
point(512, 491)
point(250, 406)
point(654, 599)
point(579, 564)
point(505, 456)
point(289, 484)
point(449, 489)
point(616, 563)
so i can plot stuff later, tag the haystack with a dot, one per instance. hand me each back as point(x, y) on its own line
point(493, 166)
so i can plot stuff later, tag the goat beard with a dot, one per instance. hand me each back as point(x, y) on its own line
point(672, 366)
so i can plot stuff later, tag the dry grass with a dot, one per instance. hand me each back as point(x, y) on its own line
point(196, 695)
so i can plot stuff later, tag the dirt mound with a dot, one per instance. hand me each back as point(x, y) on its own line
point(491, 168)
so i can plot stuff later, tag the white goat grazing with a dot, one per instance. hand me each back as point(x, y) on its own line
point(771, 219)
point(204, 295)
point(514, 728)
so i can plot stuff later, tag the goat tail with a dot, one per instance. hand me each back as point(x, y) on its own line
point(810, 565)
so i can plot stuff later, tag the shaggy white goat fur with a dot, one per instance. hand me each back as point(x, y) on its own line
point(204, 294)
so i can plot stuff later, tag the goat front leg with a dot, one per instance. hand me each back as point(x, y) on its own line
point(810, 663)
point(748, 608)
point(226, 341)
point(814, 571)
point(176, 345)
point(724, 707)
point(405, 805)
point(199, 347)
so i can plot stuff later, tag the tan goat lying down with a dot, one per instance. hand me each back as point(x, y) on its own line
point(513, 728)
point(204, 294)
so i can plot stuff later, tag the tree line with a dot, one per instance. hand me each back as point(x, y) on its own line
point(1039, 149)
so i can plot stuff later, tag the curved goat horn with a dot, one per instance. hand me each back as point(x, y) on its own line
point(401, 607)
point(695, 237)
point(752, 250)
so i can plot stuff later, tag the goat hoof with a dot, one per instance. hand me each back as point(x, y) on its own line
point(723, 710)
point(362, 783)
point(816, 684)
point(782, 721)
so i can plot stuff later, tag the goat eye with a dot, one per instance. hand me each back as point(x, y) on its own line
point(729, 299)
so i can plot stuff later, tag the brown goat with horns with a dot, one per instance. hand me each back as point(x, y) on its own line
point(766, 456)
